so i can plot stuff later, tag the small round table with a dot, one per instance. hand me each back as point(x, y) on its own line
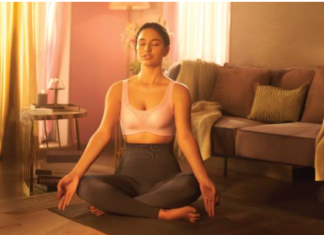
point(58, 115)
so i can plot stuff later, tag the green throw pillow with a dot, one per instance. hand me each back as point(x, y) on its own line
point(277, 105)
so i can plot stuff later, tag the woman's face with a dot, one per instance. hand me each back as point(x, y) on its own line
point(150, 48)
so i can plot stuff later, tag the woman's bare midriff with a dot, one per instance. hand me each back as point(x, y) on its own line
point(148, 138)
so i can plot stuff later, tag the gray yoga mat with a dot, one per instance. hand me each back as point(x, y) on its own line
point(114, 224)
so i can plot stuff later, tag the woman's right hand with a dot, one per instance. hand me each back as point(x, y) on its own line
point(66, 188)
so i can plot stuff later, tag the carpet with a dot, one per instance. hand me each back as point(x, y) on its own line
point(33, 203)
point(114, 224)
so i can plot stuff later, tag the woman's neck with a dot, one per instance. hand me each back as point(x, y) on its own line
point(150, 75)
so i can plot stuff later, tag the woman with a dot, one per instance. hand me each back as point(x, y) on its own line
point(148, 181)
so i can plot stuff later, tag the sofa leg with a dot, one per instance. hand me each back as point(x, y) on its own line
point(225, 166)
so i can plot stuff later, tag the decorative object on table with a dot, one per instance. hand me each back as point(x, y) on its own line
point(129, 40)
point(55, 84)
point(57, 107)
point(42, 98)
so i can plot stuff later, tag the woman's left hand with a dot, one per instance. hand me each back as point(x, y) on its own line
point(210, 195)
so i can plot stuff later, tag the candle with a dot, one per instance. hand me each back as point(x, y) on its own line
point(42, 99)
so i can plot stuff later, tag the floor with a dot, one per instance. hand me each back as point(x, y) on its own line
point(302, 199)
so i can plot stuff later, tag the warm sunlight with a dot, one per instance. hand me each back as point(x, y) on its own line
point(168, 117)
point(204, 31)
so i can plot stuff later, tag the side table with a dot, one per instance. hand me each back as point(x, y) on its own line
point(29, 153)
point(59, 115)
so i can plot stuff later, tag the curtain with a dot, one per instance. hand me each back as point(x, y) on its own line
point(6, 26)
point(32, 39)
point(18, 77)
point(51, 31)
point(203, 31)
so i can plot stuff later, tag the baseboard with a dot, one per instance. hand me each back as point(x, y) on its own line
point(267, 169)
point(272, 170)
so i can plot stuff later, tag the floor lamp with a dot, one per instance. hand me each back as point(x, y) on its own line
point(128, 6)
point(124, 6)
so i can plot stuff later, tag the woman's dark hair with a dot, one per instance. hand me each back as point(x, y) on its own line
point(158, 28)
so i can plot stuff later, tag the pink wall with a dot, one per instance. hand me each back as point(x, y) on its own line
point(97, 59)
point(170, 13)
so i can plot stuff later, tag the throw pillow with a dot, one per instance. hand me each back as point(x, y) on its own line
point(277, 105)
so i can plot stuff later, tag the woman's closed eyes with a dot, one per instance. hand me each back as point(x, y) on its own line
point(143, 44)
point(155, 42)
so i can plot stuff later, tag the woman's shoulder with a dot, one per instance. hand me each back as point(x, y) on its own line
point(115, 89)
point(180, 92)
point(116, 85)
point(180, 87)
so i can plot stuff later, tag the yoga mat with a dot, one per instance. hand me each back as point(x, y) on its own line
point(114, 224)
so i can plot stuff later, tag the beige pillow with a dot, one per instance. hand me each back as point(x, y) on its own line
point(277, 105)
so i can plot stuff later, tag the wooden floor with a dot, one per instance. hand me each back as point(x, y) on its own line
point(302, 199)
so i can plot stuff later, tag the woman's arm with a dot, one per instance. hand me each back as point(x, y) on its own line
point(103, 135)
point(189, 146)
point(186, 140)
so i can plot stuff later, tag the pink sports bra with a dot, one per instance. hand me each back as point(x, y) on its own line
point(158, 120)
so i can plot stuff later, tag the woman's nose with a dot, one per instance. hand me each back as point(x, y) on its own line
point(147, 47)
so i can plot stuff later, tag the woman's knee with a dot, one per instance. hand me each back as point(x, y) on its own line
point(86, 185)
point(93, 187)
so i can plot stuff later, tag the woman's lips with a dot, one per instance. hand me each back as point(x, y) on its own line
point(147, 57)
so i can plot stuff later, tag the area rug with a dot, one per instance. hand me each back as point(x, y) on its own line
point(33, 203)
point(113, 224)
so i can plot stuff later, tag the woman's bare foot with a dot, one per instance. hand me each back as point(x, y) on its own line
point(187, 213)
point(95, 211)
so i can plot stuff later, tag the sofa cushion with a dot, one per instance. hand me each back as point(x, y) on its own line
point(314, 106)
point(291, 78)
point(234, 89)
point(277, 105)
point(174, 71)
point(292, 143)
point(287, 78)
point(224, 134)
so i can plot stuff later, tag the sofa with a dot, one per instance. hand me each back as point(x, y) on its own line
point(239, 135)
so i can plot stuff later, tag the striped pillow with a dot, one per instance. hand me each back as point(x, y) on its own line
point(277, 105)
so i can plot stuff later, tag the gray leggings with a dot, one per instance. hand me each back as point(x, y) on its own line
point(147, 179)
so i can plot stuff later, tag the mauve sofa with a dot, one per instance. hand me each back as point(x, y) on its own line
point(234, 135)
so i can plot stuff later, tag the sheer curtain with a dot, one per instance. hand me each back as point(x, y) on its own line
point(203, 31)
point(52, 31)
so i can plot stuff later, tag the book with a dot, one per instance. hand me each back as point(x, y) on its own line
point(95, 169)
point(57, 107)
point(52, 172)
point(48, 180)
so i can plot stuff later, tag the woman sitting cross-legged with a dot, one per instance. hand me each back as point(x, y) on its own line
point(148, 182)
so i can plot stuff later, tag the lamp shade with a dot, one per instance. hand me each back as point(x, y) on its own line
point(55, 84)
point(129, 6)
